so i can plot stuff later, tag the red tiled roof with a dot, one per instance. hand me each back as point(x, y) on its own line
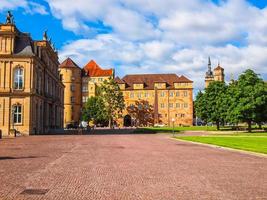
point(68, 63)
point(184, 79)
point(150, 79)
point(118, 80)
point(92, 69)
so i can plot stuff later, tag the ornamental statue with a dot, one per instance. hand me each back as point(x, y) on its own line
point(9, 18)
point(45, 35)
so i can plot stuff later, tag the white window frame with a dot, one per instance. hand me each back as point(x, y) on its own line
point(16, 112)
point(18, 78)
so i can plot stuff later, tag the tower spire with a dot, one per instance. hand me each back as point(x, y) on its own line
point(209, 72)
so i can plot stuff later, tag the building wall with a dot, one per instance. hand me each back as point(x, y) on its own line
point(174, 104)
point(71, 78)
point(89, 86)
point(219, 75)
point(40, 98)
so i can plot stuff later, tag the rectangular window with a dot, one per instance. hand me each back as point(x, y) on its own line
point(72, 88)
point(185, 93)
point(185, 105)
point(146, 94)
point(100, 79)
point(162, 94)
point(171, 105)
point(18, 79)
point(85, 88)
point(177, 94)
point(162, 105)
point(177, 105)
point(72, 99)
point(171, 94)
point(17, 114)
point(139, 95)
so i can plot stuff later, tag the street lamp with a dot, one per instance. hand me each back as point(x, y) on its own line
point(173, 126)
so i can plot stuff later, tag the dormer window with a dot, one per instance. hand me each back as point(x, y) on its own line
point(137, 86)
point(18, 78)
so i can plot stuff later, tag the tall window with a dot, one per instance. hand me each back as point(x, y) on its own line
point(17, 114)
point(18, 78)
point(85, 88)
point(72, 99)
point(72, 87)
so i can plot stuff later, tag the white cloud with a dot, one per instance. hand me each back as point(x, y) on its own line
point(171, 36)
point(28, 6)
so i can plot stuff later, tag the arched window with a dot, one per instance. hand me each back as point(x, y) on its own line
point(18, 78)
point(17, 114)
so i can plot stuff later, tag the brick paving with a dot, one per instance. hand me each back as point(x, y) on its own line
point(126, 167)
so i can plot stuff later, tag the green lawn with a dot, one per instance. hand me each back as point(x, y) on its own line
point(256, 142)
point(176, 129)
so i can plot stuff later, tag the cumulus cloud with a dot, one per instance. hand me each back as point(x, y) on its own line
point(171, 36)
point(28, 6)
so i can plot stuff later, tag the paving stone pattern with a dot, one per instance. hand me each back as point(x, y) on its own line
point(126, 167)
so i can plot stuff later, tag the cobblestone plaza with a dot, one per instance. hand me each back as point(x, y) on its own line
point(126, 167)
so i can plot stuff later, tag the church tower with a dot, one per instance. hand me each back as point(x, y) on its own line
point(219, 73)
point(209, 75)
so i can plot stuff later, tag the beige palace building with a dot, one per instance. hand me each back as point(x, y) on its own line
point(31, 92)
point(174, 94)
point(169, 94)
point(80, 84)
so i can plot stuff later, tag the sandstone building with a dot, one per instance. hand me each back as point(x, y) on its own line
point(216, 75)
point(80, 84)
point(169, 94)
point(174, 93)
point(31, 92)
point(72, 80)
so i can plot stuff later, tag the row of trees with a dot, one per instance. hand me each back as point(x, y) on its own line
point(106, 106)
point(244, 100)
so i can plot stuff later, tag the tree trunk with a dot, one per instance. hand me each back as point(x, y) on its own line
point(218, 125)
point(249, 126)
point(260, 127)
point(109, 122)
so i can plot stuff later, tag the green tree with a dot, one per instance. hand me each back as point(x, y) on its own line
point(211, 105)
point(215, 94)
point(113, 99)
point(143, 112)
point(95, 110)
point(200, 107)
point(249, 99)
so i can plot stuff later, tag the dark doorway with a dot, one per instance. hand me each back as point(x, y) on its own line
point(127, 121)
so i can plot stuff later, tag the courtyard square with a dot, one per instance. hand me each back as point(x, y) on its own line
point(126, 167)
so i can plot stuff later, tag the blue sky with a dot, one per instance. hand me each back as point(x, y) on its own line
point(153, 36)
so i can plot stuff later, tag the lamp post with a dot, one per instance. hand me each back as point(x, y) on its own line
point(173, 126)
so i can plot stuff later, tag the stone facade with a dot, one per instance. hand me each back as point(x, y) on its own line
point(170, 95)
point(174, 93)
point(80, 84)
point(216, 75)
point(72, 80)
point(31, 92)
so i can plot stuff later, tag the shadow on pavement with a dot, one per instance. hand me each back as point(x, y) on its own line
point(15, 158)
